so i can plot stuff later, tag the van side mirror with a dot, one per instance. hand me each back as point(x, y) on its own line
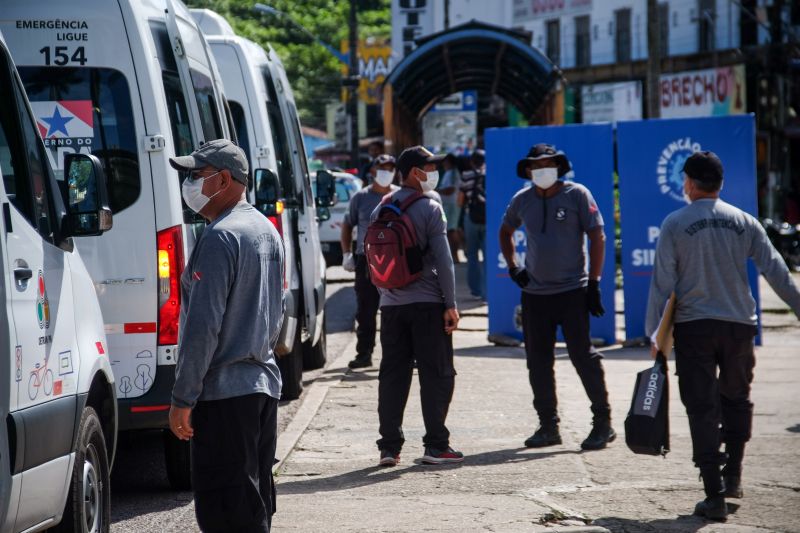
point(87, 202)
point(326, 189)
point(267, 191)
point(323, 214)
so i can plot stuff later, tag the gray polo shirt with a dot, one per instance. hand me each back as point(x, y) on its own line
point(438, 281)
point(231, 310)
point(555, 228)
point(702, 254)
point(361, 206)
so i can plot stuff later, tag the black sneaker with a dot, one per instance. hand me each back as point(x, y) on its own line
point(389, 458)
point(713, 508)
point(599, 437)
point(544, 436)
point(733, 487)
point(439, 457)
point(360, 362)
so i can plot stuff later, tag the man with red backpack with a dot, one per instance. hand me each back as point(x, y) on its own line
point(409, 260)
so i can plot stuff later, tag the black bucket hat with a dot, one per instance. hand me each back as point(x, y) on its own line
point(544, 151)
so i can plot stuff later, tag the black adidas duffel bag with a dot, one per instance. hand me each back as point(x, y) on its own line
point(647, 423)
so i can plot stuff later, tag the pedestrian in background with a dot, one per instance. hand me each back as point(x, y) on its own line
point(701, 256)
point(362, 204)
point(472, 199)
point(374, 149)
point(227, 383)
point(449, 186)
point(417, 321)
point(556, 289)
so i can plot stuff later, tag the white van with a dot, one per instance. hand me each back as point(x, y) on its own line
point(58, 410)
point(266, 123)
point(132, 82)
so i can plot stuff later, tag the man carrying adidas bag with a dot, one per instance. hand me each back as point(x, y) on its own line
point(701, 255)
point(410, 263)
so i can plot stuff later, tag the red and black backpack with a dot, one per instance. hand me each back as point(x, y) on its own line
point(393, 253)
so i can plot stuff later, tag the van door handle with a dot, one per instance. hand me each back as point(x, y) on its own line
point(22, 274)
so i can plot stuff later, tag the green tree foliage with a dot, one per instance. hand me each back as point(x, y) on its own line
point(314, 73)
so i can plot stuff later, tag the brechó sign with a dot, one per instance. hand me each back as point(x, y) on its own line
point(704, 93)
point(590, 150)
point(650, 158)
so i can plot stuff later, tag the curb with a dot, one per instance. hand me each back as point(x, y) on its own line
point(312, 400)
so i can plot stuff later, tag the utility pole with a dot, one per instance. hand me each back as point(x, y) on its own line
point(352, 86)
point(653, 60)
point(777, 66)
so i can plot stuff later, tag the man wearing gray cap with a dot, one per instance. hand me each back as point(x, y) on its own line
point(227, 383)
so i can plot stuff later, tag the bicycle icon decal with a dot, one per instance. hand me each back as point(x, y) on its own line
point(41, 377)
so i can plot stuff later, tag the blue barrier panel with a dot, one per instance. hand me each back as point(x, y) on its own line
point(650, 156)
point(589, 148)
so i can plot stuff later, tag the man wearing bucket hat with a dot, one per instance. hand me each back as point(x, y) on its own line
point(556, 289)
point(361, 206)
point(227, 382)
point(701, 256)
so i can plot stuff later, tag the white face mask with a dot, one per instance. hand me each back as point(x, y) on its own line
point(432, 181)
point(192, 192)
point(384, 178)
point(544, 178)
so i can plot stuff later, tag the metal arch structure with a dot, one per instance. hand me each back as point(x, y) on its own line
point(475, 55)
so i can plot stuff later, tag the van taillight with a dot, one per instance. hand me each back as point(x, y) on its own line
point(170, 268)
point(277, 219)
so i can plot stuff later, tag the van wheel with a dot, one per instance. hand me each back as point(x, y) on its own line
point(178, 460)
point(88, 508)
point(291, 367)
point(315, 357)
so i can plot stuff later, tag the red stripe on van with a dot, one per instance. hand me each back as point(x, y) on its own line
point(149, 408)
point(140, 327)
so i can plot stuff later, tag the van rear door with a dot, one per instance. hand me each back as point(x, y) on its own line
point(76, 63)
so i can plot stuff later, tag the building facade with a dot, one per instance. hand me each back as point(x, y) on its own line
point(717, 57)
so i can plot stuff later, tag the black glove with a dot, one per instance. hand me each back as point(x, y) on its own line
point(520, 276)
point(593, 298)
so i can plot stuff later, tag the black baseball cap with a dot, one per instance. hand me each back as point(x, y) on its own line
point(704, 166)
point(544, 151)
point(220, 153)
point(416, 156)
point(382, 160)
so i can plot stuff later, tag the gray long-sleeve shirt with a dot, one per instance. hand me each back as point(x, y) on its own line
point(438, 281)
point(702, 254)
point(232, 310)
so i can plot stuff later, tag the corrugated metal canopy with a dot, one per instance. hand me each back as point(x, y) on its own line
point(474, 55)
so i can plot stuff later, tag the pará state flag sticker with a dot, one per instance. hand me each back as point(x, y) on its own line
point(64, 119)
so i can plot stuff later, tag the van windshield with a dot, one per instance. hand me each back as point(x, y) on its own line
point(87, 110)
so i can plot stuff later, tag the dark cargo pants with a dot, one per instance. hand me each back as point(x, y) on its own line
point(408, 332)
point(718, 406)
point(541, 315)
point(233, 451)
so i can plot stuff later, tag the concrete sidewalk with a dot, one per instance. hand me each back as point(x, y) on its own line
point(330, 481)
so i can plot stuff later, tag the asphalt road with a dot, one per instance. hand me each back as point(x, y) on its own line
point(141, 498)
